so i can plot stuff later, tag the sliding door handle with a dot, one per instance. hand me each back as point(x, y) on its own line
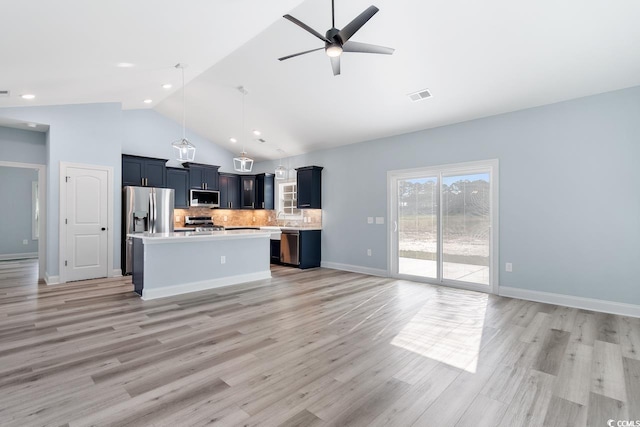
point(395, 226)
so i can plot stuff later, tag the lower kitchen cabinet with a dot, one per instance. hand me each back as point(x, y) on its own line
point(275, 251)
point(309, 248)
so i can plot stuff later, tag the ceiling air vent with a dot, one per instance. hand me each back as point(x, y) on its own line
point(5, 93)
point(419, 95)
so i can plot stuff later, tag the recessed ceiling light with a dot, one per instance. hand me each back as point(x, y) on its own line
point(233, 140)
point(125, 64)
point(27, 96)
point(167, 86)
point(148, 101)
point(257, 132)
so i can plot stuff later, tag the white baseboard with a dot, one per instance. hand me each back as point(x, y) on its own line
point(26, 255)
point(355, 269)
point(592, 304)
point(148, 294)
point(117, 272)
point(51, 280)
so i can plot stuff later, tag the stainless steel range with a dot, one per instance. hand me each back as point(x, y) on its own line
point(201, 223)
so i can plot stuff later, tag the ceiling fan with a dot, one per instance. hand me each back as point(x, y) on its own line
point(337, 41)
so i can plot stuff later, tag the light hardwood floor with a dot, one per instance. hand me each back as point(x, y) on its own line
point(307, 348)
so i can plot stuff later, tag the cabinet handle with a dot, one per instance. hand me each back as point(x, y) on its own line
point(304, 205)
point(230, 205)
point(142, 181)
point(262, 205)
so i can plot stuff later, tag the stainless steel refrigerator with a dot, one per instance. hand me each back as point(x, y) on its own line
point(145, 209)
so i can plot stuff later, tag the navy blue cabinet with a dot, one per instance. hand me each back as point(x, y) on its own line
point(178, 179)
point(143, 171)
point(247, 191)
point(309, 187)
point(229, 191)
point(264, 191)
point(202, 177)
point(310, 248)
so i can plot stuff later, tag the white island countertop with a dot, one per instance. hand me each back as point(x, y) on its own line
point(182, 237)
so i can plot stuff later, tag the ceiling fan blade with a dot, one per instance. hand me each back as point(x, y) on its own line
point(298, 54)
point(306, 27)
point(353, 26)
point(335, 64)
point(366, 48)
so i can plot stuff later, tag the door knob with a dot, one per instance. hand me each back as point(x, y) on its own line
point(103, 228)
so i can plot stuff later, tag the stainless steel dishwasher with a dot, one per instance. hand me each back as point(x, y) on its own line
point(290, 247)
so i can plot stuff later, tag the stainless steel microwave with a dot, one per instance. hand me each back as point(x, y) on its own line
point(205, 198)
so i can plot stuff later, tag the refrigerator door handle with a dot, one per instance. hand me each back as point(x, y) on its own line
point(152, 212)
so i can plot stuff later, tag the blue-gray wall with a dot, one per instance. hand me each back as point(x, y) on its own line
point(22, 146)
point(148, 133)
point(88, 134)
point(15, 225)
point(569, 192)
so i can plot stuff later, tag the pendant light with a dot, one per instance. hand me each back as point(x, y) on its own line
point(242, 163)
point(186, 150)
point(281, 171)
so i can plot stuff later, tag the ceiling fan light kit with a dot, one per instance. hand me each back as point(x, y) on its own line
point(337, 41)
point(186, 150)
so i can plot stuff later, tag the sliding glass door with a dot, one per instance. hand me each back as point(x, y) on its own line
point(442, 224)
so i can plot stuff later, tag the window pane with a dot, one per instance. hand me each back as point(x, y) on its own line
point(418, 227)
point(465, 227)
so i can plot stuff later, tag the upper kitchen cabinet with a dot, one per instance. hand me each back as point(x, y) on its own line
point(247, 191)
point(178, 179)
point(309, 187)
point(143, 171)
point(229, 191)
point(202, 177)
point(264, 191)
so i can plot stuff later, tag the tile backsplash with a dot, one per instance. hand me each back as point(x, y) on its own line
point(249, 217)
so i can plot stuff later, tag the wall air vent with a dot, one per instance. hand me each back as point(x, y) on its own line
point(262, 140)
point(420, 95)
point(4, 93)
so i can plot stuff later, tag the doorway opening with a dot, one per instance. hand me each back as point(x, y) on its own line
point(24, 184)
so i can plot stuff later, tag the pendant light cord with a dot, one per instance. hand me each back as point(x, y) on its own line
point(184, 108)
point(243, 131)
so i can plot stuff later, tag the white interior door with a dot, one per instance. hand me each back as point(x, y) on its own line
point(86, 223)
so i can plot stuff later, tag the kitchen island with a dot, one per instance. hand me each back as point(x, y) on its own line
point(166, 264)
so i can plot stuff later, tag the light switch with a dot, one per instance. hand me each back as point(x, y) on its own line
point(379, 220)
point(369, 220)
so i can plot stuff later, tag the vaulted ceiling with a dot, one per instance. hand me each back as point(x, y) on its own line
point(477, 58)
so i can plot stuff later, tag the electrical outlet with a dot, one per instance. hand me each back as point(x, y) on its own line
point(379, 220)
point(254, 219)
point(369, 220)
point(508, 267)
point(269, 219)
point(178, 218)
point(25, 242)
point(224, 218)
point(223, 259)
point(368, 252)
